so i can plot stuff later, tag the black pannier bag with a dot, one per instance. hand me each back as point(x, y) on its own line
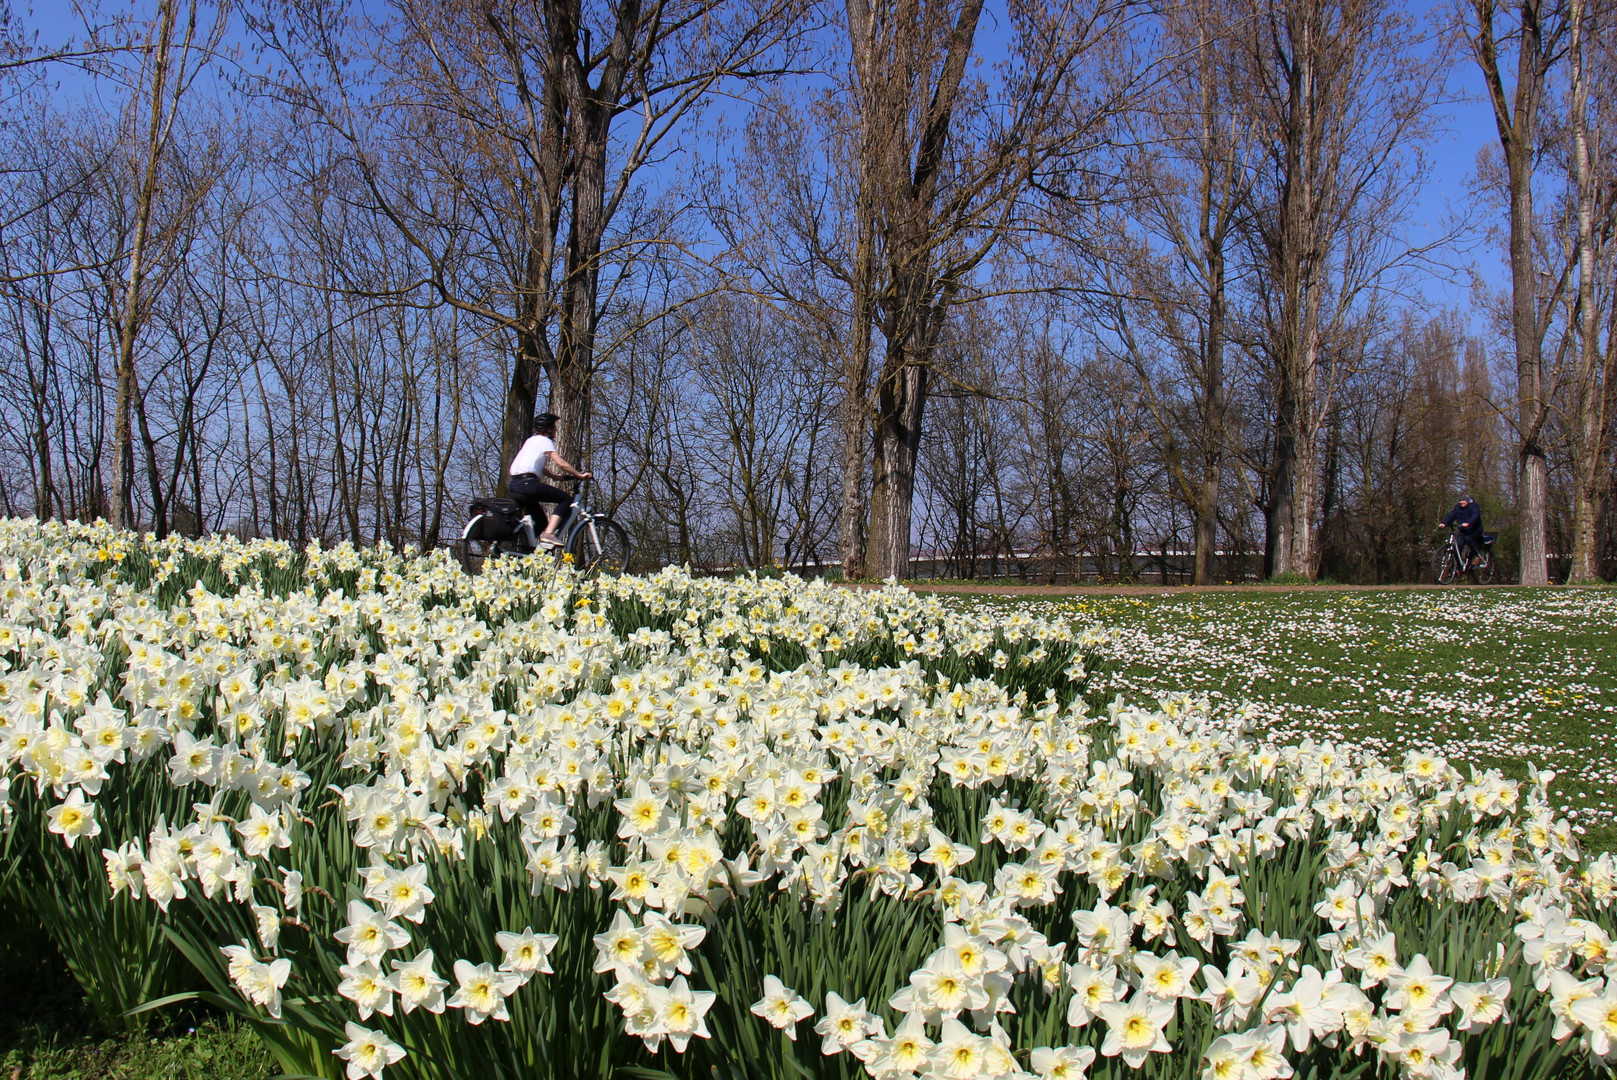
point(493, 519)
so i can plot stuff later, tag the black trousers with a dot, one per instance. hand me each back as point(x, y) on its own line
point(530, 492)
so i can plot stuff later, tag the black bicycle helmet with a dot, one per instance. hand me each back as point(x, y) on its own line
point(545, 420)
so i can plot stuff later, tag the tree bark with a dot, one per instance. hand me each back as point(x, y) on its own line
point(1294, 251)
point(1537, 45)
point(1306, 471)
point(1206, 527)
point(901, 401)
point(1214, 415)
point(1280, 518)
point(853, 511)
point(851, 508)
point(1592, 435)
point(919, 292)
point(521, 398)
point(123, 461)
point(1214, 394)
point(590, 111)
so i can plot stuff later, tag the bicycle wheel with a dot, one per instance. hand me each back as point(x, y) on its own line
point(1484, 572)
point(1448, 565)
point(474, 553)
point(600, 544)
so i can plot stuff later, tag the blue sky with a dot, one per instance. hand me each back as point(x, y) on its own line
point(1469, 127)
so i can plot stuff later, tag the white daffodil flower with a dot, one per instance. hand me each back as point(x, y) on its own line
point(781, 1007)
point(367, 1052)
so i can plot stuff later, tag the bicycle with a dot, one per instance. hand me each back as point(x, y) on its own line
point(1449, 557)
point(593, 541)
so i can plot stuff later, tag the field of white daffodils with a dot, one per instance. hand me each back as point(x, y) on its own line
point(409, 823)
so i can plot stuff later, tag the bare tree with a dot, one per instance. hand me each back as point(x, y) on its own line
point(951, 167)
point(1190, 178)
point(757, 424)
point(516, 114)
point(1594, 382)
point(1346, 103)
point(1539, 32)
point(795, 215)
point(1047, 397)
point(173, 56)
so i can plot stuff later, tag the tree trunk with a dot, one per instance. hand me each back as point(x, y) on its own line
point(852, 512)
point(1123, 529)
point(1517, 124)
point(590, 110)
point(1296, 258)
point(1533, 498)
point(521, 399)
point(443, 447)
point(570, 400)
point(1205, 146)
point(1305, 470)
point(901, 400)
point(1214, 395)
point(38, 387)
point(154, 475)
point(1592, 440)
point(1206, 528)
point(123, 461)
point(853, 515)
point(904, 181)
point(575, 352)
point(1279, 519)
point(851, 508)
point(1330, 479)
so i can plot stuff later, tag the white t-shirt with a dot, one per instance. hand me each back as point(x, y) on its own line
point(533, 457)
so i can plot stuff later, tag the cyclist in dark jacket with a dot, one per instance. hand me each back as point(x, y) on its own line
point(1466, 521)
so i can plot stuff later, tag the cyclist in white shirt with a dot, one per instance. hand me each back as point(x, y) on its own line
point(536, 460)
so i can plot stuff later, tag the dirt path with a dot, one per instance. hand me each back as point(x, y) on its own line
point(1148, 590)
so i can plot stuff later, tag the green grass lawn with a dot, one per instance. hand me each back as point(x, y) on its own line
point(1488, 677)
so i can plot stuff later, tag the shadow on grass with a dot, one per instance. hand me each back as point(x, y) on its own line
point(48, 1031)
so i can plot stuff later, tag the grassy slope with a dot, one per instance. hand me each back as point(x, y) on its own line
point(1492, 677)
